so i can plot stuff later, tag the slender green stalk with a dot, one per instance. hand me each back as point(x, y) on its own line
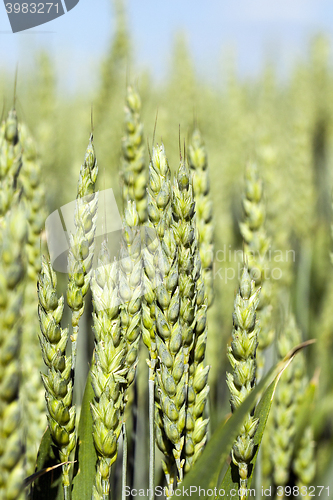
point(256, 245)
point(124, 465)
point(151, 411)
point(58, 381)
point(197, 156)
point(81, 251)
point(242, 357)
point(133, 173)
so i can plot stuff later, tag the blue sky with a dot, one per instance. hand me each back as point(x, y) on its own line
point(257, 29)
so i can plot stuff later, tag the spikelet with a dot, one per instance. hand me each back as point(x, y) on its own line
point(133, 171)
point(10, 161)
point(242, 357)
point(82, 242)
point(57, 382)
point(255, 249)
point(197, 156)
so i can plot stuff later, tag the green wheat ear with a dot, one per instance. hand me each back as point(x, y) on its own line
point(193, 313)
point(32, 390)
point(133, 171)
point(13, 234)
point(12, 273)
point(197, 157)
point(82, 242)
point(57, 381)
point(242, 357)
point(256, 245)
point(159, 219)
point(108, 370)
point(117, 295)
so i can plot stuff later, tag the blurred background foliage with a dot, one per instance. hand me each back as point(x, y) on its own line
point(286, 126)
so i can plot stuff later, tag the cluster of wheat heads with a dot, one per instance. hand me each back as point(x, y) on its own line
point(158, 289)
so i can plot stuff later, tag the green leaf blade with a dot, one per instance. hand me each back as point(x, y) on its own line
point(85, 452)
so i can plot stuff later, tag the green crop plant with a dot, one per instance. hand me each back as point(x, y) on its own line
point(158, 290)
point(133, 170)
point(13, 268)
point(10, 161)
point(32, 390)
point(242, 357)
point(13, 264)
point(197, 155)
point(256, 245)
point(82, 242)
point(58, 381)
point(288, 402)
